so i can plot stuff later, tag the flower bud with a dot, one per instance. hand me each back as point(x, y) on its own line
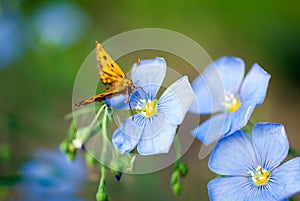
point(102, 196)
point(175, 177)
point(72, 154)
point(117, 168)
point(177, 188)
point(183, 169)
point(64, 147)
point(69, 149)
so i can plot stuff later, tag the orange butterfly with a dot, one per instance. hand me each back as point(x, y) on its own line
point(112, 76)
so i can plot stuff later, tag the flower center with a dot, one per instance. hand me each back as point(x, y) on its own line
point(261, 176)
point(230, 102)
point(147, 108)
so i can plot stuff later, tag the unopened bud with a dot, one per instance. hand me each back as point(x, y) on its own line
point(117, 168)
point(102, 196)
point(175, 177)
point(177, 188)
point(64, 147)
point(183, 169)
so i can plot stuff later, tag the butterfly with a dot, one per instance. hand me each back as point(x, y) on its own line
point(112, 76)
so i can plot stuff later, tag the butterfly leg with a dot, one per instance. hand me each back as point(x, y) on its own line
point(127, 100)
point(131, 112)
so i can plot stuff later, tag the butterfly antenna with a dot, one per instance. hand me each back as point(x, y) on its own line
point(137, 65)
point(138, 61)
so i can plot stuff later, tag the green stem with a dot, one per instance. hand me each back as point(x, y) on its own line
point(102, 183)
point(104, 135)
point(178, 151)
point(72, 131)
point(101, 194)
point(98, 114)
point(90, 131)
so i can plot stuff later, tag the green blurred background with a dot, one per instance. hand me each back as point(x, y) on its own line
point(43, 44)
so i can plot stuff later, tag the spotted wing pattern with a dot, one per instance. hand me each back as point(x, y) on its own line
point(109, 71)
point(111, 75)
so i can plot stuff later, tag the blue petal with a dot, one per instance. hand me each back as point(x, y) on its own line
point(228, 188)
point(176, 100)
point(207, 96)
point(159, 143)
point(221, 76)
point(271, 144)
point(126, 137)
point(231, 71)
point(241, 117)
point(238, 188)
point(233, 155)
point(118, 102)
point(149, 72)
point(287, 178)
point(255, 85)
point(212, 129)
point(147, 92)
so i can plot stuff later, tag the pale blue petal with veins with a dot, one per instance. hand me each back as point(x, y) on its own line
point(222, 90)
point(252, 166)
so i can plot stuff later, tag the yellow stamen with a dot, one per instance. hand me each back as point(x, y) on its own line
point(261, 177)
point(231, 102)
point(235, 106)
point(147, 108)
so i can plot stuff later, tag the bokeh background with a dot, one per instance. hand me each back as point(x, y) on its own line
point(43, 43)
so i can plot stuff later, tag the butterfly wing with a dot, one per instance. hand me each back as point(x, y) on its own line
point(99, 97)
point(110, 73)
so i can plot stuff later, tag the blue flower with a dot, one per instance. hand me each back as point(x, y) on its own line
point(60, 23)
point(221, 90)
point(153, 128)
point(147, 72)
point(251, 167)
point(12, 35)
point(50, 176)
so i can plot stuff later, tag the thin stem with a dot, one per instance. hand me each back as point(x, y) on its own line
point(98, 114)
point(104, 134)
point(178, 150)
point(102, 183)
point(89, 131)
point(72, 131)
